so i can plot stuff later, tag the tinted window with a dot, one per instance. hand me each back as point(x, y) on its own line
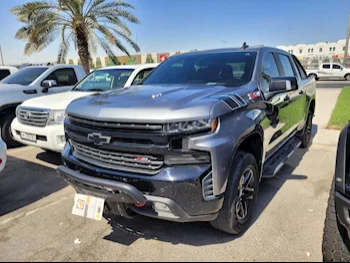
point(286, 65)
point(64, 77)
point(326, 66)
point(226, 69)
point(24, 76)
point(4, 73)
point(270, 70)
point(300, 68)
point(104, 80)
point(142, 74)
point(335, 66)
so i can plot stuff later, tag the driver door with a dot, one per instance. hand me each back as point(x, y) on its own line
point(65, 79)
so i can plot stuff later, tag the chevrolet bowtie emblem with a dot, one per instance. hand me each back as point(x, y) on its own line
point(157, 95)
point(99, 139)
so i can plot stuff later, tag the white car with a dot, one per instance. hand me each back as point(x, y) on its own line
point(39, 121)
point(7, 71)
point(330, 71)
point(3, 155)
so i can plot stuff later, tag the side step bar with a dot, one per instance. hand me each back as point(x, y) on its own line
point(274, 164)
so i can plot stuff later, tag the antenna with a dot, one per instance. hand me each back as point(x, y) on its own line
point(245, 46)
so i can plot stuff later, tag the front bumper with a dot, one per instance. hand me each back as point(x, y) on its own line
point(179, 188)
point(49, 138)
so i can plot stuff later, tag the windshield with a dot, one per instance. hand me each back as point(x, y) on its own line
point(104, 80)
point(224, 69)
point(25, 76)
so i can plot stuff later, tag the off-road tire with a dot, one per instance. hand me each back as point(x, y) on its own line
point(227, 221)
point(336, 243)
point(6, 130)
point(306, 137)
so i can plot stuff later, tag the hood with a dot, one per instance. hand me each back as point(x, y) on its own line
point(56, 101)
point(159, 103)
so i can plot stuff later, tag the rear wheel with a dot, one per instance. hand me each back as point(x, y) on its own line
point(347, 77)
point(6, 132)
point(240, 197)
point(336, 243)
point(306, 137)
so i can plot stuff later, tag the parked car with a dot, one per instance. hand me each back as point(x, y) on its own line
point(336, 242)
point(193, 142)
point(7, 71)
point(330, 71)
point(32, 82)
point(3, 154)
point(39, 121)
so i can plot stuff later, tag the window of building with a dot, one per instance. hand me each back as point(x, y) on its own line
point(300, 51)
point(321, 50)
point(330, 49)
point(333, 49)
point(312, 50)
point(344, 48)
point(309, 50)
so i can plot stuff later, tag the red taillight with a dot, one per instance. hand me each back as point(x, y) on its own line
point(0, 161)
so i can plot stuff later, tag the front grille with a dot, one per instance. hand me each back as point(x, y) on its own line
point(88, 123)
point(136, 163)
point(33, 117)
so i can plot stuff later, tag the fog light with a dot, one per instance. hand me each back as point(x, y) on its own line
point(160, 207)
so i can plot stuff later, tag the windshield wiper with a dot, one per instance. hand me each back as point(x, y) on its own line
point(99, 90)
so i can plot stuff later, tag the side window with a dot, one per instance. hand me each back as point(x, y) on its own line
point(64, 77)
point(270, 69)
point(326, 66)
point(287, 66)
point(300, 68)
point(4, 73)
point(142, 74)
point(336, 66)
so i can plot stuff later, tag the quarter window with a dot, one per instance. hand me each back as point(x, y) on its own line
point(287, 67)
point(336, 66)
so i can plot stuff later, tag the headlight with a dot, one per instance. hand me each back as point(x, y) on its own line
point(193, 126)
point(56, 117)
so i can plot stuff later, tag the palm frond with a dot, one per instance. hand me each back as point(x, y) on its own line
point(127, 39)
point(106, 47)
point(63, 52)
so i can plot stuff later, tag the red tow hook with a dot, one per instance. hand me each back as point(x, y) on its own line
point(140, 205)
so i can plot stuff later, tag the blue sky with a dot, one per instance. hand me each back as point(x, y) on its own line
point(171, 25)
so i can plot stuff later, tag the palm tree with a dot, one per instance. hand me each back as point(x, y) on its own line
point(86, 23)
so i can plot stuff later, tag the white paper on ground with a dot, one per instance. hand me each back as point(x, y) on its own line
point(88, 206)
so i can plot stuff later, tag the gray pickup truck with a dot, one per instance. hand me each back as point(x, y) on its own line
point(194, 140)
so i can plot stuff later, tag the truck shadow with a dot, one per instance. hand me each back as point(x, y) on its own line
point(23, 183)
point(126, 232)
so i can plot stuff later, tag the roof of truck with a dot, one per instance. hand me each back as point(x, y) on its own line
point(150, 65)
point(230, 50)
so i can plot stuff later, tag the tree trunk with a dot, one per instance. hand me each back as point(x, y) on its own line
point(83, 49)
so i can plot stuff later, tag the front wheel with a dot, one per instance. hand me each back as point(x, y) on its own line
point(336, 243)
point(6, 132)
point(240, 197)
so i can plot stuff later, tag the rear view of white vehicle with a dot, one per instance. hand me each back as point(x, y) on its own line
point(39, 121)
point(32, 82)
point(7, 71)
point(330, 71)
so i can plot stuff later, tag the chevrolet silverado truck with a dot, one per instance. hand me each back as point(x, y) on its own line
point(32, 82)
point(193, 140)
point(336, 238)
point(330, 71)
point(39, 121)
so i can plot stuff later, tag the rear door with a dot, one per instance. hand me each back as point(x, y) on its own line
point(296, 99)
point(326, 71)
point(337, 71)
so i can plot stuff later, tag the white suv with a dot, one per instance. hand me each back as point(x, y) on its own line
point(39, 121)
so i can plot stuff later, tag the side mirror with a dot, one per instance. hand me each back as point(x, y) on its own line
point(137, 82)
point(283, 84)
point(47, 84)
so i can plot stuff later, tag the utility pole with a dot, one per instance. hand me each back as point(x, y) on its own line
point(346, 55)
point(2, 58)
point(225, 42)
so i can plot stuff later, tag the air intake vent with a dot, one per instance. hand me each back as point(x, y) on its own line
point(231, 103)
point(239, 100)
point(208, 188)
